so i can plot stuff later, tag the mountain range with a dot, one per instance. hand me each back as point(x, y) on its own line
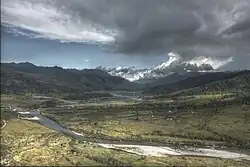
point(175, 64)
point(27, 77)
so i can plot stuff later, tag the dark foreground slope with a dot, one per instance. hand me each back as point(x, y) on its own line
point(26, 77)
point(207, 83)
point(173, 78)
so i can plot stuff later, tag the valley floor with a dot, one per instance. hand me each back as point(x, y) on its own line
point(151, 122)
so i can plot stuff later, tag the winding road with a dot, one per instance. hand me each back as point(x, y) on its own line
point(137, 149)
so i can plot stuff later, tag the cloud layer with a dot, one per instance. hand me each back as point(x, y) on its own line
point(213, 28)
point(48, 21)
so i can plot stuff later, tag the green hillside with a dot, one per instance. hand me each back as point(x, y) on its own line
point(26, 77)
point(207, 83)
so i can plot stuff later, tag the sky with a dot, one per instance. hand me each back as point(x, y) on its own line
point(68, 55)
point(112, 33)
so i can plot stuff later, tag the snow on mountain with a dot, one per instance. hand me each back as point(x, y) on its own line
point(129, 73)
point(175, 64)
point(172, 58)
point(208, 60)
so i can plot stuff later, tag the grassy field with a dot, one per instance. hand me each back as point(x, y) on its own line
point(192, 124)
point(26, 143)
point(169, 121)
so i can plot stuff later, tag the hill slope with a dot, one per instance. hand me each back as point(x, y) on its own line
point(26, 77)
point(210, 82)
point(173, 78)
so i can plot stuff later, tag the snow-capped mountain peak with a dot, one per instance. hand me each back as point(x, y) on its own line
point(173, 57)
point(215, 63)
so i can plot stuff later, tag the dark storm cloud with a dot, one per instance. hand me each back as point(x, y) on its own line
point(163, 25)
point(215, 28)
